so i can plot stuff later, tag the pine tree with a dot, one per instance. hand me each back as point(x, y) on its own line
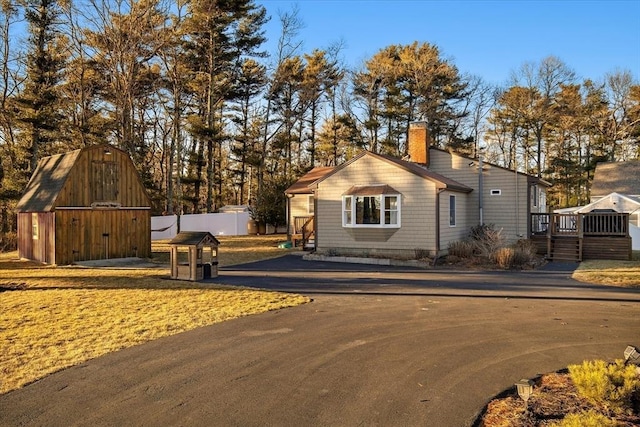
point(249, 85)
point(39, 103)
point(221, 35)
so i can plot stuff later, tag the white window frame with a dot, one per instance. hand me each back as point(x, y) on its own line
point(349, 207)
point(35, 226)
point(310, 204)
point(496, 192)
point(453, 210)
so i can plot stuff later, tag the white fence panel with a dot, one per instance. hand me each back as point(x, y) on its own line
point(164, 227)
point(218, 224)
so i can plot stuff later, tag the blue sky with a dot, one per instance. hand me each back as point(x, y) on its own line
point(488, 38)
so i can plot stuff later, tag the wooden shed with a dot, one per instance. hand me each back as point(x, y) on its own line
point(83, 205)
point(194, 255)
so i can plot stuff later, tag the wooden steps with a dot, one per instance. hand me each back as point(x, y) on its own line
point(565, 249)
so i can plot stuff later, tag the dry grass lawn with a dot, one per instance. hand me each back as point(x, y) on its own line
point(607, 272)
point(233, 249)
point(56, 317)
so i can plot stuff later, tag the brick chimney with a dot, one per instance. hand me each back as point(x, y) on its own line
point(418, 144)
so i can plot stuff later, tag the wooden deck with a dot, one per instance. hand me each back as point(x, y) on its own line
point(577, 237)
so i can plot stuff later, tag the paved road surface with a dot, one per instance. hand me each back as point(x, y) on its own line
point(377, 346)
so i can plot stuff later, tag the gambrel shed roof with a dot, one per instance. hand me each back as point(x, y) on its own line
point(68, 180)
point(47, 182)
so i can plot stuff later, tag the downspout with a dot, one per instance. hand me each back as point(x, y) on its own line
point(529, 208)
point(517, 208)
point(480, 187)
point(315, 219)
point(288, 207)
point(438, 192)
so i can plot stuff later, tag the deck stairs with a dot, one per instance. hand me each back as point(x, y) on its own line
point(304, 232)
point(565, 248)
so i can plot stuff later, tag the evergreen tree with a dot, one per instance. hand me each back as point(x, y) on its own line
point(320, 78)
point(221, 35)
point(12, 173)
point(287, 104)
point(249, 85)
point(39, 103)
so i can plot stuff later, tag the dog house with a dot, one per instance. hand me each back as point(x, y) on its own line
point(194, 256)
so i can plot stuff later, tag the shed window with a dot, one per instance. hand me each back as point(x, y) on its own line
point(34, 226)
point(105, 181)
point(364, 208)
point(496, 192)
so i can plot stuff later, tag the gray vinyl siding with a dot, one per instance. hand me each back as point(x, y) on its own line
point(417, 215)
point(460, 231)
point(499, 210)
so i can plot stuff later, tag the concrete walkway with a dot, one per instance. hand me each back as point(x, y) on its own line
point(377, 346)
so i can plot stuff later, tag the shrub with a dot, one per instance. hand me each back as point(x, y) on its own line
point(522, 257)
point(503, 257)
point(521, 254)
point(486, 239)
point(527, 246)
point(461, 249)
point(421, 253)
point(589, 418)
point(610, 387)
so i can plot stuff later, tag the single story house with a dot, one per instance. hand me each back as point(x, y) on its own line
point(380, 205)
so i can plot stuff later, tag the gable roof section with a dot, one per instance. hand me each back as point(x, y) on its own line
point(414, 168)
point(47, 182)
point(530, 178)
point(618, 202)
point(302, 186)
point(616, 177)
point(194, 238)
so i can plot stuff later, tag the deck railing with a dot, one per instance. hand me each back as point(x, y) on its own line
point(300, 223)
point(303, 226)
point(579, 225)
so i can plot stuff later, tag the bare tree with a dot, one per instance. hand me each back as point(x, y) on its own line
point(543, 80)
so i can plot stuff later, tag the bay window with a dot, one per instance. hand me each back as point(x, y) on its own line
point(364, 208)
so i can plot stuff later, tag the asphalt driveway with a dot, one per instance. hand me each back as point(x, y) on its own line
point(377, 346)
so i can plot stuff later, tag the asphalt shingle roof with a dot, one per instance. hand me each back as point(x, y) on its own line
point(47, 182)
point(301, 186)
point(618, 177)
point(189, 238)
